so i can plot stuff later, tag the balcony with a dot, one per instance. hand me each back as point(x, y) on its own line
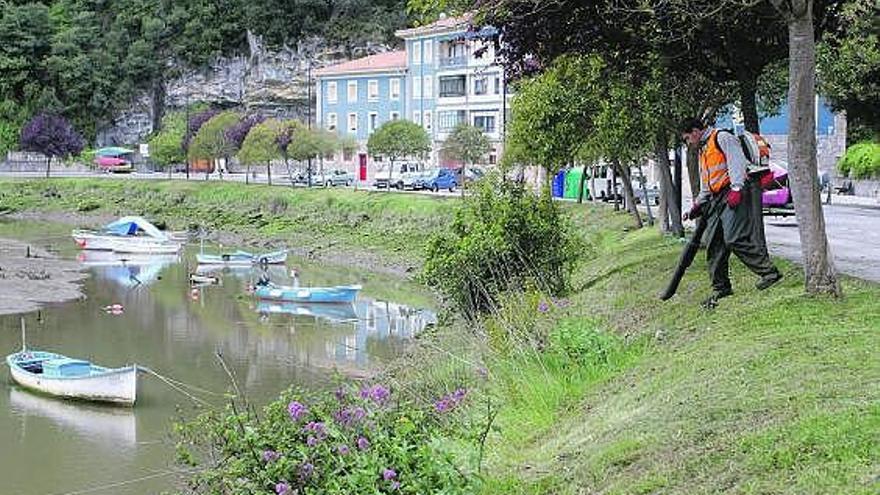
point(453, 62)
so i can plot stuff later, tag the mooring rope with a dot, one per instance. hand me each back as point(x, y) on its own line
point(118, 484)
point(180, 387)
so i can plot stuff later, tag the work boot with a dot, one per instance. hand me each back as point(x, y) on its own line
point(768, 280)
point(711, 302)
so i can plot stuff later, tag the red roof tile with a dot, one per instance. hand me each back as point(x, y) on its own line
point(373, 63)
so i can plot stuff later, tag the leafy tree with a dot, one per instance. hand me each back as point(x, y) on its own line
point(165, 145)
point(398, 139)
point(211, 142)
point(468, 145)
point(428, 11)
point(551, 113)
point(261, 145)
point(235, 134)
point(9, 134)
point(849, 63)
point(51, 135)
point(196, 121)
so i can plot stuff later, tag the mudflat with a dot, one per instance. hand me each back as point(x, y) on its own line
point(29, 280)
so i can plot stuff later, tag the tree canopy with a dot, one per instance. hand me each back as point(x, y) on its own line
point(165, 145)
point(398, 139)
point(467, 144)
point(261, 143)
point(212, 142)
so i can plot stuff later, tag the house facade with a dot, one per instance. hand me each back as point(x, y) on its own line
point(445, 75)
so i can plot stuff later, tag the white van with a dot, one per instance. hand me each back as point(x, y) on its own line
point(386, 177)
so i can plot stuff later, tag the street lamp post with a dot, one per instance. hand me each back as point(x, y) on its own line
point(309, 112)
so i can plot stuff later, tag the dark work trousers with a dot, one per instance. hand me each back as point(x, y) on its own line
point(732, 229)
point(757, 212)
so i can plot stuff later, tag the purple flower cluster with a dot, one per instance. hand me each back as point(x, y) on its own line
point(297, 410)
point(270, 455)
point(306, 470)
point(376, 393)
point(562, 303)
point(317, 433)
point(282, 488)
point(450, 401)
point(363, 443)
point(543, 307)
point(389, 474)
point(349, 416)
point(343, 450)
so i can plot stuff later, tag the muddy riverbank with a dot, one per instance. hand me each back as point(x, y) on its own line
point(31, 277)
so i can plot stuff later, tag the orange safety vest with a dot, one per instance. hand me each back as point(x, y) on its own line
point(713, 165)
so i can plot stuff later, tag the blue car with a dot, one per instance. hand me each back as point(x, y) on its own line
point(439, 179)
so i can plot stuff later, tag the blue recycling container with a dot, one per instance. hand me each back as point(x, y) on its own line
point(558, 188)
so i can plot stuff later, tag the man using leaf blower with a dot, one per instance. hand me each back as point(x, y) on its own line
point(723, 202)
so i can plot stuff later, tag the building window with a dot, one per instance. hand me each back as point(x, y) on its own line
point(481, 85)
point(449, 119)
point(331, 121)
point(395, 115)
point(372, 90)
point(417, 117)
point(353, 123)
point(429, 52)
point(428, 90)
point(497, 85)
point(372, 121)
point(332, 92)
point(428, 123)
point(352, 91)
point(417, 87)
point(394, 89)
point(485, 123)
point(417, 52)
point(451, 86)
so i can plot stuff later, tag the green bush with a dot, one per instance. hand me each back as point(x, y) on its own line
point(503, 237)
point(861, 161)
point(347, 442)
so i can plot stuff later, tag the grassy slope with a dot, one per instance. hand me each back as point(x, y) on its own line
point(774, 392)
point(377, 223)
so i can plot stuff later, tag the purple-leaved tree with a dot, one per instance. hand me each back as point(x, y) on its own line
point(51, 135)
point(236, 134)
point(195, 123)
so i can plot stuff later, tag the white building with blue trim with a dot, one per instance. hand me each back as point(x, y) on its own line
point(445, 75)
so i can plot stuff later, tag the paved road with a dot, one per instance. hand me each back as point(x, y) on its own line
point(854, 234)
point(854, 231)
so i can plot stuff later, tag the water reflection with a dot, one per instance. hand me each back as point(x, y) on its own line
point(126, 270)
point(112, 427)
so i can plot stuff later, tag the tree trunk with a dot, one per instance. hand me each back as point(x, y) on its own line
point(643, 181)
point(820, 275)
point(390, 175)
point(593, 196)
point(668, 197)
point(748, 89)
point(581, 185)
point(269, 172)
point(247, 173)
point(613, 191)
point(677, 180)
point(463, 177)
point(48, 164)
point(628, 193)
point(693, 165)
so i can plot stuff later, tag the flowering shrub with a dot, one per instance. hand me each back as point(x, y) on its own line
point(347, 442)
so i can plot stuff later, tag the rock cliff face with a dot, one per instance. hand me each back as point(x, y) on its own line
point(274, 82)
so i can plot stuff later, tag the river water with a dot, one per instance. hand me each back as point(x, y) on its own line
point(50, 446)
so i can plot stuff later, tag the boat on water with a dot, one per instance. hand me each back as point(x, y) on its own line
point(338, 294)
point(130, 235)
point(61, 376)
point(243, 258)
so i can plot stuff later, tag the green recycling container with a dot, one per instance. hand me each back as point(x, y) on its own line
point(573, 181)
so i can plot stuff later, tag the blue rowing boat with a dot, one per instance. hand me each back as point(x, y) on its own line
point(338, 294)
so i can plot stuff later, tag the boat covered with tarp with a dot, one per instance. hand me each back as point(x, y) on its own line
point(129, 235)
point(70, 378)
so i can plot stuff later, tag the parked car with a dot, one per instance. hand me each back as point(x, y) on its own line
point(386, 177)
point(413, 180)
point(339, 177)
point(471, 174)
point(440, 178)
point(777, 199)
point(652, 192)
